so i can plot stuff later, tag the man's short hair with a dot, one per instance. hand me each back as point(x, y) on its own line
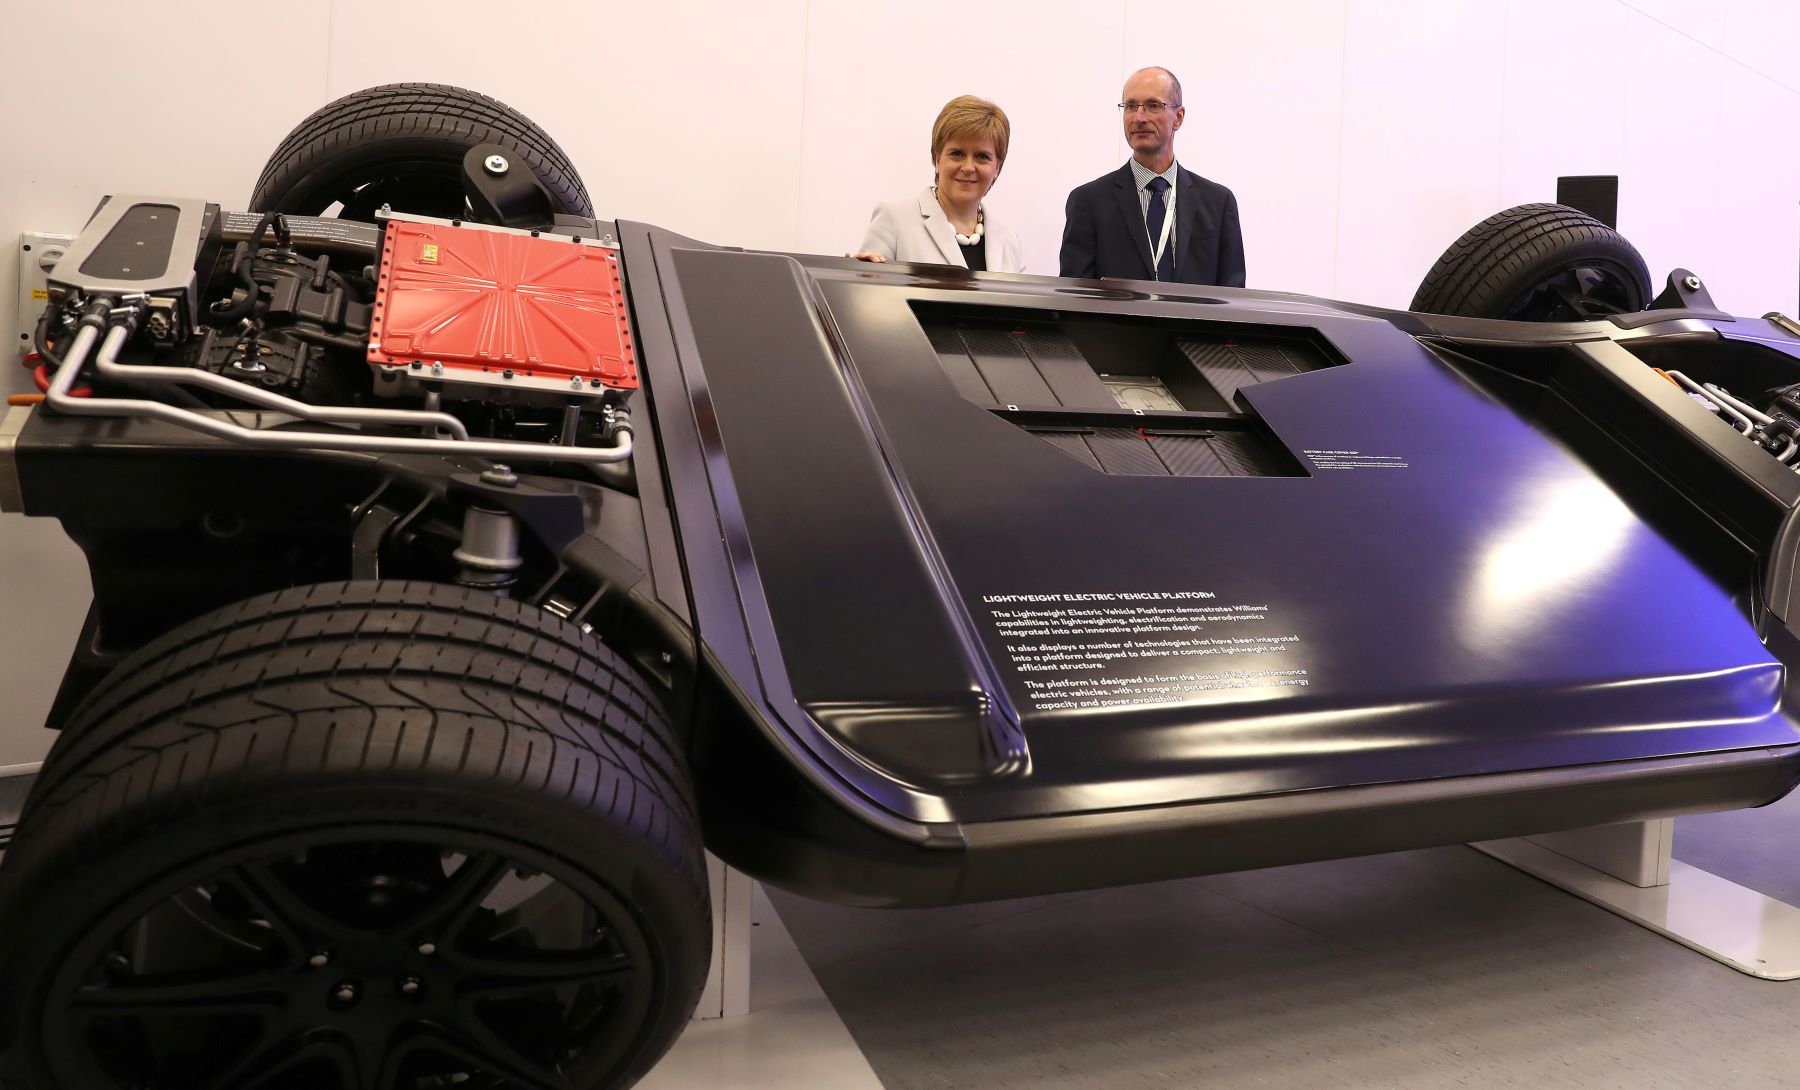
point(965, 117)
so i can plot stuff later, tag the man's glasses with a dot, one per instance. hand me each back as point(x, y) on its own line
point(1153, 107)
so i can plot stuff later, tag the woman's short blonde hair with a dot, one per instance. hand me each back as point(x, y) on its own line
point(966, 116)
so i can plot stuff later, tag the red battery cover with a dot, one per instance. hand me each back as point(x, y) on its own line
point(488, 301)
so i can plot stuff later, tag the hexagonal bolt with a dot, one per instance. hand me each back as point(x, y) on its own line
point(505, 478)
point(1692, 283)
point(497, 164)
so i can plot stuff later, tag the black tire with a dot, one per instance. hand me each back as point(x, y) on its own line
point(1537, 262)
point(403, 831)
point(403, 143)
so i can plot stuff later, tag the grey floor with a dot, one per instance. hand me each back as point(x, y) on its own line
point(1439, 968)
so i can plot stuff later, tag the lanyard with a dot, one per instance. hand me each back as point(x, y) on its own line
point(1163, 242)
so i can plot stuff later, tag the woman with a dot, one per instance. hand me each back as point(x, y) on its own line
point(947, 223)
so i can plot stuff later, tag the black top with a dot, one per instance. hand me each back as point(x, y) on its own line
point(975, 256)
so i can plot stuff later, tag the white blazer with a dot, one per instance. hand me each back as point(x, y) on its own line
point(916, 229)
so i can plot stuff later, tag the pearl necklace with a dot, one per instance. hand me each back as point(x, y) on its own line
point(980, 224)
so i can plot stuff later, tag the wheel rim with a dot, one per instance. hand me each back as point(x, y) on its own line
point(1594, 290)
point(356, 960)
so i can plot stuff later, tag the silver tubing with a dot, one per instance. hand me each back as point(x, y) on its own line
point(1783, 322)
point(1720, 393)
point(106, 363)
point(58, 394)
point(1695, 387)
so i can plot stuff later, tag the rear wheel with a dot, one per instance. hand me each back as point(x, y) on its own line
point(402, 144)
point(1537, 263)
point(378, 836)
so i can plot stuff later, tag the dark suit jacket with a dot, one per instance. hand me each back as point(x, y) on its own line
point(1104, 235)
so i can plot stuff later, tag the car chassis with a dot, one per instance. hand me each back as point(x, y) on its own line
point(951, 586)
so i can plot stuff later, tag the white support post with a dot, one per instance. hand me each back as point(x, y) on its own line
point(1639, 852)
point(727, 991)
point(1631, 870)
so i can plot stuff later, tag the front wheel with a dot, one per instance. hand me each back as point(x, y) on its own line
point(375, 836)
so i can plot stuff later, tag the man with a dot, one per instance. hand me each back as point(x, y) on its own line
point(1153, 219)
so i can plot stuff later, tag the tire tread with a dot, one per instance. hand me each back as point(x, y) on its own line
point(399, 110)
point(1485, 269)
point(384, 683)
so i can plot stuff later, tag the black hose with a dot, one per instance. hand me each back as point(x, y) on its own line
point(329, 340)
point(240, 265)
point(262, 228)
point(41, 341)
point(243, 260)
point(363, 290)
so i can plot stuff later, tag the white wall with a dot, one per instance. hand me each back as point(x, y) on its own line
point(1361, 136)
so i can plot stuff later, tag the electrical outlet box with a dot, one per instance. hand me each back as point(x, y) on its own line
point(38, 252)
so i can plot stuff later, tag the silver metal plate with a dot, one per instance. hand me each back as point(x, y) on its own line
point(1143, 393)
point(167, 271)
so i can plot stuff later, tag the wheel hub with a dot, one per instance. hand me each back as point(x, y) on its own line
point(463, 971)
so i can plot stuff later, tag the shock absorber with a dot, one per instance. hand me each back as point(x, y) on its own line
point(489, 553)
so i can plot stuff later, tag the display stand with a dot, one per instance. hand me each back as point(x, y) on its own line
point(1630, 869)
point(727, 990)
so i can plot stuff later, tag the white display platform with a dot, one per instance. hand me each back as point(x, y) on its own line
point(792, 1039)
point(1629, 869)
point(727, 991)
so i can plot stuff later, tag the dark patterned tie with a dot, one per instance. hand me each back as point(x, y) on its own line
point(1153, 219)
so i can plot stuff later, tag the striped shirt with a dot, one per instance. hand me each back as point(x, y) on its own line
point(1143, 174)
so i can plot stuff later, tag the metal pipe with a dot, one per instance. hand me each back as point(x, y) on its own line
point(1747, 428)
point(107, 364)
point(1741, 406)
point(506, 450)
point(60, 384)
